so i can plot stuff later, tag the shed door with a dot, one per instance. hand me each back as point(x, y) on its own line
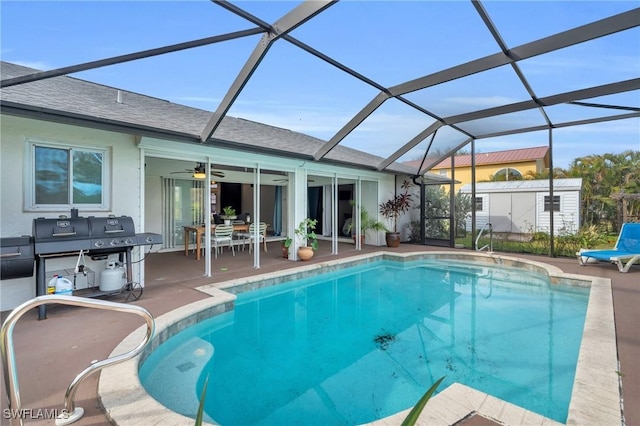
point(500, 212)
point(513, 213)
point(523, 212)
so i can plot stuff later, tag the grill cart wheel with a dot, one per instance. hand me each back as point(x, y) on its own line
point(131, 291)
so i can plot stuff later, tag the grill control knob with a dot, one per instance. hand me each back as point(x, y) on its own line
point(149, 239)
point(99, 243)
point(129, 241)
point(114, 242)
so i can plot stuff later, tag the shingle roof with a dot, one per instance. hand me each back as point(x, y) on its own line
point(96, 105)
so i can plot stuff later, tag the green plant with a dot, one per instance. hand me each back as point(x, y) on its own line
point(229, 211)
point(413, 415)
point(306, 233)
point(287, 242)
point(394, 207)
point(367, 223)
point(199, 416)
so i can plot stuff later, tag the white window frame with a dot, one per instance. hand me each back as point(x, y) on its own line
point(29, 177)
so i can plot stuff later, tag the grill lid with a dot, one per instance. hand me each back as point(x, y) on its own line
point(111, 226)
point(62, 228)
point(60, 235)
point(111, 232)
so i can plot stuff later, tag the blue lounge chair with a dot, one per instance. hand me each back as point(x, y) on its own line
point(624, 254)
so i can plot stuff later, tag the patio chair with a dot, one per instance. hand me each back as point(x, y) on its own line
point(250, 235)
point(222, 234)
point(625, 253)
point(237, 238)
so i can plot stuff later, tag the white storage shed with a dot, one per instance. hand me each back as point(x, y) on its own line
point(524, 206)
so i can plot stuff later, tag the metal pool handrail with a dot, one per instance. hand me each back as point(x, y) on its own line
point(490, 245)
point(70, 413)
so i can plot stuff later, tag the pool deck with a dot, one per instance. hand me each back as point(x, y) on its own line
point(52, 352)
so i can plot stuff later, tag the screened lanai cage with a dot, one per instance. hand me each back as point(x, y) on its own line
point(412, 83)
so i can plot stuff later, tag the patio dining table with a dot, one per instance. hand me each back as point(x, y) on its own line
point(199, 229)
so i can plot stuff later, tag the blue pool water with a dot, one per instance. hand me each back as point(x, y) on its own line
point(358, 345)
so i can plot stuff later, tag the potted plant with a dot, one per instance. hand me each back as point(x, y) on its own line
point(229, 215)
point(367, 223)
point(285, 247)
point(392, 209)
point(306, 235)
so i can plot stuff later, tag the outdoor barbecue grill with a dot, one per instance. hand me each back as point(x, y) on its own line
point(16, 257)
point(97, 237)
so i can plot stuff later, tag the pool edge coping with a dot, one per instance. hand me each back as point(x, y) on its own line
point(595, 399)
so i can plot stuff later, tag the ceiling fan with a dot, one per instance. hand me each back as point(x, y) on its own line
point(287, 180)
point(201, 169)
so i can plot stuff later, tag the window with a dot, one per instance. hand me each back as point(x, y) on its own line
point(443, 172)
point(61, 177)
point(506, 174)
point(478, 204)
point(556, 203)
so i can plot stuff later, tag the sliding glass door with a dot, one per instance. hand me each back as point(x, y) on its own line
point(183, 200)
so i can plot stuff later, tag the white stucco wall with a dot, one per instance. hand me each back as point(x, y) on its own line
point(14, 221)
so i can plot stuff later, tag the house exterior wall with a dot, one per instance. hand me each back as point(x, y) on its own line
point(485, 171)
point(144, 204)
point(15, 221)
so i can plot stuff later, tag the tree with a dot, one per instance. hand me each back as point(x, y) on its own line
point(602, 176)
point(558, 173)
point(437, 207)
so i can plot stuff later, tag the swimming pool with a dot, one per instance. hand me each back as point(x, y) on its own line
point(442, 312)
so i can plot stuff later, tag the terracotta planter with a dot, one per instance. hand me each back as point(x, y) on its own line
point(361, 240)
point(305, 253)
point(285, 252)
point(393, 239)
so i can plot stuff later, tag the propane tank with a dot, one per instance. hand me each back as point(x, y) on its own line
point(64, 286)
point(112, 278)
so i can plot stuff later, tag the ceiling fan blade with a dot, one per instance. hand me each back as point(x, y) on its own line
point(217, 174)
point(287, 180)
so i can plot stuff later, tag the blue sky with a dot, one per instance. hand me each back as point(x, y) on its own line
point(388, 42)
